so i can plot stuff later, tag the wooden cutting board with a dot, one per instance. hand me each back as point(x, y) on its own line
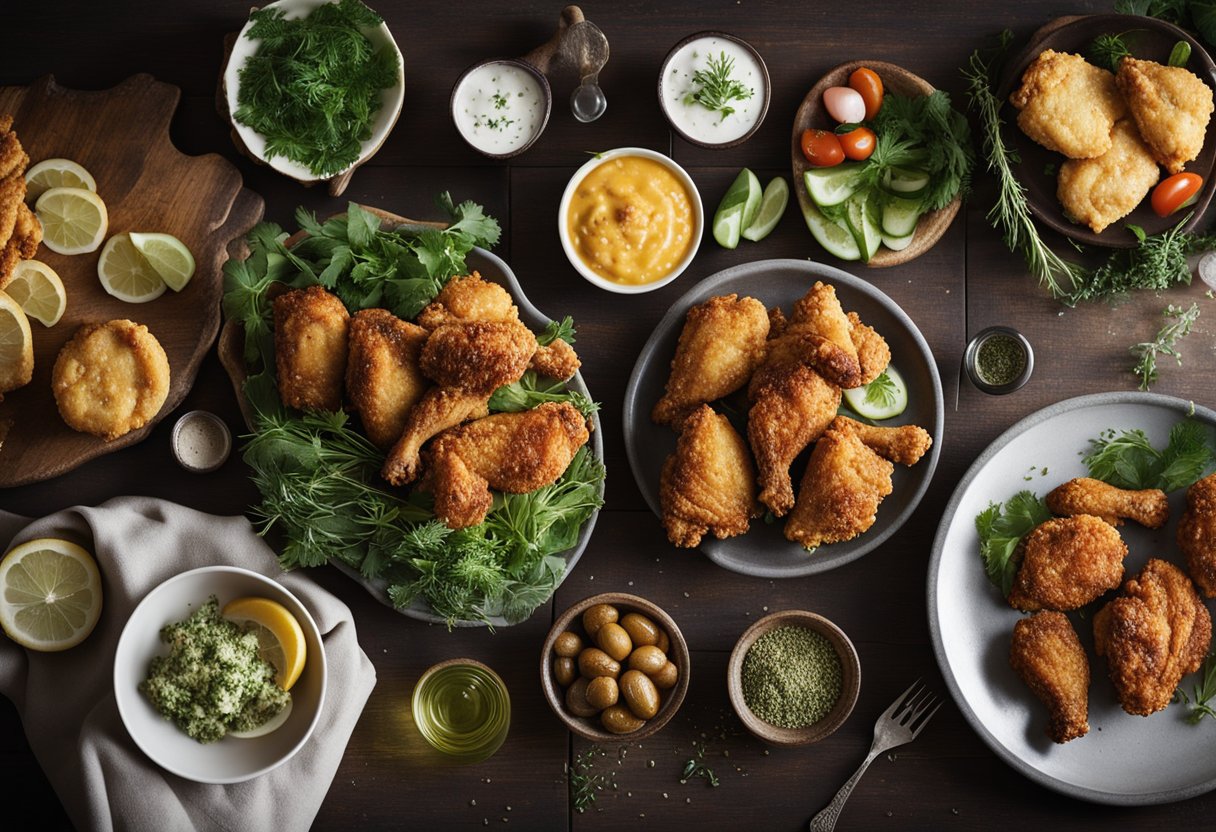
point(121, 136)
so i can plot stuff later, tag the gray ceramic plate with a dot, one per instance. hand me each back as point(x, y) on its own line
point(764, 551)
point(1125, 760)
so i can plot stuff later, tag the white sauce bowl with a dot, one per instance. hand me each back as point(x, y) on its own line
point(695, 125)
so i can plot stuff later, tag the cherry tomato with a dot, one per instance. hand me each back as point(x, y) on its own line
point(858, 144)
point(1176, 191)
point(867, 82)
point(822, 148)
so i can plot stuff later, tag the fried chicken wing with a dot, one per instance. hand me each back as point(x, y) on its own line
point(477, 357)
point(1101, 190)
point(708, 486)
point(720, 346)
point(1049, 658)
point(310, 346)
point(839, 496)
point(1154, 634)
point(383, 380)
point(1066, 563)
point(1086, 495)
point(822, 336)
point(1068, 105)
point(904, 444)
point(873, 354)
point(511, 452)
point(1171, 106)
point(1197, 534)
point(439, 408)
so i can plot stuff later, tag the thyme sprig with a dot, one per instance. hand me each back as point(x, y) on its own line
point(586, 784)
point(1165, 343)
point(718, 88)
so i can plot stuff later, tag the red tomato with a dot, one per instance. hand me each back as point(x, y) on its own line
point(858, 144)
point(867, 82)
point(1175, 191)
point(822, 148)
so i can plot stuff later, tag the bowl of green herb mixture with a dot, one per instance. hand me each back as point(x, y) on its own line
point(314, 87)
point(793, 678)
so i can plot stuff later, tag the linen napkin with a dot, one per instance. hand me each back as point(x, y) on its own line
point(66, 699)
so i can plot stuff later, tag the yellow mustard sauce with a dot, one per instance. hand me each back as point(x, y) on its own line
point(631, 220)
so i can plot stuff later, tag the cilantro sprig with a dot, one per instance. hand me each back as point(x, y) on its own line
point(1001, 528)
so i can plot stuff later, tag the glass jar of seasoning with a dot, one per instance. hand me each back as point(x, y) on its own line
point(998, 360)
point(201, 441)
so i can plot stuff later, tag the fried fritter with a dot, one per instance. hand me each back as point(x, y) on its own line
point(110, 378)
point(1066, 563)
point(720, 346)
point(1102, 190)
point(873, 354)
point(708, 486)
point(477, 357)
point(1086, 495)
point(1197, 534)
point(1152, 636)
point(1049, 658)
point(839, 496)
point(904, 444)
point(382, 377)
point(1068, 105)
point(1171, 106)
point(310, 346)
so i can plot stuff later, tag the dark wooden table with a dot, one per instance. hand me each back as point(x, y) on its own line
point(948, 778)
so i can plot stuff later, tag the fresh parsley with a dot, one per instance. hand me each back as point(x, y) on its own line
point(1001, 528)
point(1165, 343)
point(532, 390)
point(882, 391)
point(923, 132)
point(1127, 459)
point(1202, 693)
point(716, 86)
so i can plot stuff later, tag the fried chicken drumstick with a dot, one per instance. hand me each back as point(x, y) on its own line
point(1049, 658)
point(1086, 495)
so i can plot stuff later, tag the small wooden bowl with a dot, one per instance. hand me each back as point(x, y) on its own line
point(589, 727)
point(850, 683)
point(812, 114)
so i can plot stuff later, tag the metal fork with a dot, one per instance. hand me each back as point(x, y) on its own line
point(900, 724)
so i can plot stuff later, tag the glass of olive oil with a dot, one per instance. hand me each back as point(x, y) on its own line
point(462, 708)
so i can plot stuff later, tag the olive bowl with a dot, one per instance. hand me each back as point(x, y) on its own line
point(590, 728)
point(850, 682)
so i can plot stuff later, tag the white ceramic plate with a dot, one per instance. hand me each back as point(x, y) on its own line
point(1126, 760)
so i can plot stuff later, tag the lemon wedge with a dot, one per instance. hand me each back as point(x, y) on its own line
point(273, 724)
point(126, 274)
point(74, 220)
point(50, 594)
point(39, 291)
point(280, 636)
point(168, 256)
point(56, 173)
point(16, 344)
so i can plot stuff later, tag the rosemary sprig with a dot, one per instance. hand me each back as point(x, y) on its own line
point(585, 786)
point(718, 89)
point(1166, 342)
point(1203, 692)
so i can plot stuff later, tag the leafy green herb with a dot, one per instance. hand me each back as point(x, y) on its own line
point(1108, 50)
point(695, 767)
point(1202, 693)
point(557, 330)
point(1197, 15)
point(717, 87)
point(1128, 459)
point(926, 133)
point(881, 391)
point(313, 87)
point(1001, 528)
point(1166, 342)
point(1158, 263)
point(532, 390)
point(585, 786)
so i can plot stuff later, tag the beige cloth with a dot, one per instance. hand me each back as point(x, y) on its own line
point(66, 700)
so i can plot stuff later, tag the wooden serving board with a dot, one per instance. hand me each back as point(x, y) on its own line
point(121, 136)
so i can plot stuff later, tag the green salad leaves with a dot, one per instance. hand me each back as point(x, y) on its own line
point(1001, 528)
point(1127, 459)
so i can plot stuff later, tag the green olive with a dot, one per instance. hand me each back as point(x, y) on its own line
point(593, 662)
point(614, 641)
point(602, 692)
point(576, 699)
point(564, 670)
point(640, 694)
point(667, 677)
point(597, 615)
point(640, 628)
point(648, 659)
point(619, 720)
point(664, 643)
point(567, 644)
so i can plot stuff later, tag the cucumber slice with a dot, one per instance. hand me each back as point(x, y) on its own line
point(884, 398)
point(832, 186)
point(834, 237)
point(897, 243)
point(899, 217)
point(904, 181)
point(863, 220)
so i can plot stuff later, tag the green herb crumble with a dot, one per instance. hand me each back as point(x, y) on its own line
point(791, 677)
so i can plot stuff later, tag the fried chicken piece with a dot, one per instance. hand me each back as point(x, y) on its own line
point(1068, 105)
point(1049, 658)
point(1099, 191)
point(822, 336)
point(310, 346)
point(838, 500)
point(1085, 495)
point(708, 486)
point(13, 158)
point(1171, 106)
point(720, 346)
point(1154, 634)
point(439, 409)
point(512, 452)
point(1197, 534)
point(873, 354)
point(556, 360)
point(1066, 563)
point(383, 381)
point(12, 196)
point(904, 444)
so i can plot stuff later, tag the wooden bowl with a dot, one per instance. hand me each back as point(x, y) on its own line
point(590, 727)
point(850, 683)
point(812, 114)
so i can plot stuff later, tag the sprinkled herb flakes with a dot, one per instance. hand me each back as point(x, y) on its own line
point(791, 677)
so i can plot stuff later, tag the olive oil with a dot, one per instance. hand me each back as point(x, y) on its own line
point(462, 708)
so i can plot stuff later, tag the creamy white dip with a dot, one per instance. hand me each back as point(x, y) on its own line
point(498, 107)
point(695, 120)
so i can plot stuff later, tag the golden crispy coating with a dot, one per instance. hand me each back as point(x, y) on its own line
point(12, 196)
point(838, 500)
point(1197, 534)
point(512, 452)
point(1152, 636)
point(468, 298)
point(873, 354)
point(1085, 495)
point(1068, 105)
point(382, 377)
point(477, 357)
point(23, 245)
point(110, 378)
point(823, 336)
point(310, 345)
point(439, 408)
point(720, 346)
point(1066, 563)
point(1099, 191)
point(1171, 106)
point(13, 158)
point(708, 486)
point(904, 444)
point(1049, 658)
point(556, 360)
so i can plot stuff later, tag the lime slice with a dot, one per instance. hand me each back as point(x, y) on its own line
point(50, 594)
point(125, 274)
point(74, 220)
point(737, 209)
point(39, 291)
point(168, 256)
point(772, 208)
point(56, 173)
point(727, 226)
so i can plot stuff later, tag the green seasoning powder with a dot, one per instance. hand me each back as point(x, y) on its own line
point(1000, 360)
point(791, 677)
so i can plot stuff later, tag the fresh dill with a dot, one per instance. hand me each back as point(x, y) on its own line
point(1001, 528)
point(1165, 343)
point(926, 133)
point(881, 391)
point(1127, 459)
point(1108, 50)
point(1203, 692)
point(717, 87)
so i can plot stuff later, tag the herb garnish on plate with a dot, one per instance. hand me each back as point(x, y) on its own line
point(1127, 459)
point(1001, 528)
point(1165, 343)
point(717, 87)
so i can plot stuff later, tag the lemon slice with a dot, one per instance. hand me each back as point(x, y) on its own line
point(39, 290)
point(74, 220)
point(168, 256)
point(56, 173)
point(16, 342)
point(50, 594)
point(279, 634)
point(273, 724)
point(126, 274)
